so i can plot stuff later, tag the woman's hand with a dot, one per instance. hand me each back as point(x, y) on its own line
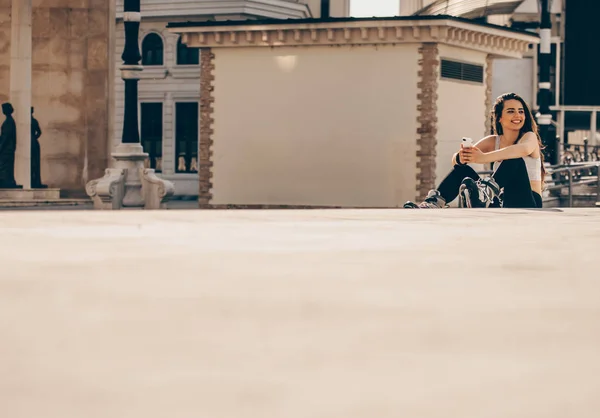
point(471, 155)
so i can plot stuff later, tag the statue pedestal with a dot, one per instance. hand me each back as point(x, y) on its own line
point(128, 184)
point(29, 194)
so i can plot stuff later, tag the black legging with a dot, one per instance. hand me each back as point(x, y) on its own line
point(511, 175)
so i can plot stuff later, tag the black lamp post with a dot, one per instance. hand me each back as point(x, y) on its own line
point(131, 58)
point(544, 94)
point(128, 184)
point(325, 9)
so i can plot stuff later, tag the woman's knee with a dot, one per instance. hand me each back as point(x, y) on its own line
point(464, 170)
point(513, 168)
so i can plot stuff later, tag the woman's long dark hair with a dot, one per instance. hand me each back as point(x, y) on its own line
point(528, 126)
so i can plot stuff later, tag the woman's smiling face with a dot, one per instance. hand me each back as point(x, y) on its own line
point(513, 115)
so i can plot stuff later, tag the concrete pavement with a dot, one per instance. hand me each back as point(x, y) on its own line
point(297, 314)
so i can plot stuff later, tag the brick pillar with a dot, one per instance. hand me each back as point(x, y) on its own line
point(489, 100)
point(207, 77)
point(427, 120)
point(488, 94)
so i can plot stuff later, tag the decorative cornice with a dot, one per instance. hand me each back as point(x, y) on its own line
point(492, 40)
point(187, 71)
point(154, 73)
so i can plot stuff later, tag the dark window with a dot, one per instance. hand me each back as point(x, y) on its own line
point(152, 131)
point(186, 137)
point(152, 50)
point(461, 71)
point(187, 56)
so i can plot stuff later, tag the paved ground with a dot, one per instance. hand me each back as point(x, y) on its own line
point(298, 314)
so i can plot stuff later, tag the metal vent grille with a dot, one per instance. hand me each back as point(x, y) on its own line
point(462, 71)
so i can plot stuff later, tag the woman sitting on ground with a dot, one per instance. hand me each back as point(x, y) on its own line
point(515, 148)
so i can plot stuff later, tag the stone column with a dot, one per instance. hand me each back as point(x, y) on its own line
point(129, 184)
point(20, 87)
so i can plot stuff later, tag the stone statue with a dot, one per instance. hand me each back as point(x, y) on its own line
point(36, 176)
point(8, 146)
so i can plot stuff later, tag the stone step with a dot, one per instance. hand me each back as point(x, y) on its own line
point(551, 202)
point(29, 194)
point(579, 200)
point(10, 203)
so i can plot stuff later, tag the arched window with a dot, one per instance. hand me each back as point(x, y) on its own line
point(187, 56)
point(152, 50)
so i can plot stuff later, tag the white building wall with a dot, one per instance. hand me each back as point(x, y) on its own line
point(513, 75)
point(310, 138)
point(408, 7)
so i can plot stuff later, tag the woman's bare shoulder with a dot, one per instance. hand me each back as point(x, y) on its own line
point(529, 135)
point(530, 139)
